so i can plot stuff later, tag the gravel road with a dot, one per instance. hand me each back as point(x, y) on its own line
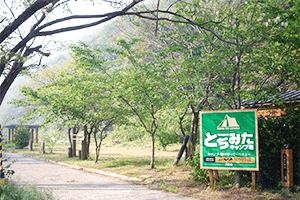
point(71, 184)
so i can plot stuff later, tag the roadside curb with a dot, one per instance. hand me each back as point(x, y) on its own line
point(86, 169)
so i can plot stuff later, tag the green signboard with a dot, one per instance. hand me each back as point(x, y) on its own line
point(229, 140)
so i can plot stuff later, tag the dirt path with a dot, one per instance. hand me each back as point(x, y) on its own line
point(75, 184)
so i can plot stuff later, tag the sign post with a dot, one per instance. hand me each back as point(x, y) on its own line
point(229, 140)
point(287, 167)
point(2, 179)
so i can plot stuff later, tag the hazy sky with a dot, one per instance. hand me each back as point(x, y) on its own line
point(79, 7)
point(82, 8)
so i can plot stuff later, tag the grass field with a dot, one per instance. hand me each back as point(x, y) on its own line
point(134, 160)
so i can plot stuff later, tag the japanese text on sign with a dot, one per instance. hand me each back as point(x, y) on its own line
point(230, 140)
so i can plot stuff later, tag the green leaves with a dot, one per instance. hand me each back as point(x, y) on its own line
point(78, 95)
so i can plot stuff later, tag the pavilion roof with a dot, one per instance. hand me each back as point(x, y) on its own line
point(15, 125)
point(291, 96)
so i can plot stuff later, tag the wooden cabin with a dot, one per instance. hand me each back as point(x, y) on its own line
point(267, 108)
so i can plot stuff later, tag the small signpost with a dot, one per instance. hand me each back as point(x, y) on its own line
point(78, 137)
point(287, 167)
point(229, 141)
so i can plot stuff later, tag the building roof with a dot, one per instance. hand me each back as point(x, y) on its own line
point(15, 126)
point(288, 97)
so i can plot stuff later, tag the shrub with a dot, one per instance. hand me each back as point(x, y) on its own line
point(200, 175)
point(273, 133)
point(13, 191)
point(22, 137)
point(165, 138)
point(7, 145)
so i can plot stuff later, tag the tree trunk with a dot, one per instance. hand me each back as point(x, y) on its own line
point(153, 151)
point(183, 133)
point(84, 155)
point(84, 149)
point(98, 152)
point(88, 143)
point(9, 79)
point(194, 131)
point(196, 126)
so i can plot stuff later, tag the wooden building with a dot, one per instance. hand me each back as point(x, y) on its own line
point(267, 108)
point(12, 131)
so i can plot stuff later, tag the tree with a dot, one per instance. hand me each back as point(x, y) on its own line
point(79, 96)
point(22, 137)
point(101, 110)
point(18, 36)
point(137, 85)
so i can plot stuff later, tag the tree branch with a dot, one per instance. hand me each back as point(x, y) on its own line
point(183, 21)
point(39, 4)
point(37, 32)
point(135, 112)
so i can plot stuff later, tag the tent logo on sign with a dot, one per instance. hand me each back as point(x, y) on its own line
point(228, 123)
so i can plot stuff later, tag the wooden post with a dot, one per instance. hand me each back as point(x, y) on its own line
point(74, 142)
point(79, 154)
point(9, 135)
point(258, 176)
point(70, 155)
point(42, 147)
point(287, 168)
point(183, 147)
point(217, 175)
point(12, 135)
point(237, 178)
point(211, 178)
point(253, 180)
point(32, 135)
point(30, 145)
point(37, 135)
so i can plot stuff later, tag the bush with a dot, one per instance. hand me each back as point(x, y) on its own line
point(13, 191)
point(273, 133)
point(165, 138)
point(7, 145)
point(200, 175)
point(22, 137)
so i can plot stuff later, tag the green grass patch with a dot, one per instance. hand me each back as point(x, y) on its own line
point(12, 191)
